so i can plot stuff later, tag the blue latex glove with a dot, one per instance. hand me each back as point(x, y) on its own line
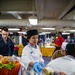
point(42, 64)
point(37, 68)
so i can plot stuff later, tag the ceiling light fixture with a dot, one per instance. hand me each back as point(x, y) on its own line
point(72, 30)
point(22, 32)
point(33, 19)
point(43, 33)
point(65, 33)
point(13, 29)
point(48, 28)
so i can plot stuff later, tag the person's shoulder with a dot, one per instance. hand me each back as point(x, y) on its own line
point(37, 46)
point(57, 59)
point(9, 40)
point(27, 47)
point(0, 37)
point(62, 38)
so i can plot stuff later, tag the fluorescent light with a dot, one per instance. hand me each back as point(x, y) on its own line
point(33, 20)
point(65, 33)
point(72, 30)
point(10, 29)
point(22, 32)
point(48, 28)
point(46, 32)
point(43, 33)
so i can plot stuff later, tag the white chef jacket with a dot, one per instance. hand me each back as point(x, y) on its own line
point(30, 53)
point(64, 64)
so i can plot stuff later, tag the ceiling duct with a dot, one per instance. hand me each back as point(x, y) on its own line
point(24, 22)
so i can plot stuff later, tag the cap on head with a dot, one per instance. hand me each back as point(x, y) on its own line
point(31, 33)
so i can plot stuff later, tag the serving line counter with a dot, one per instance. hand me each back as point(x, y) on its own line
point(47, 50)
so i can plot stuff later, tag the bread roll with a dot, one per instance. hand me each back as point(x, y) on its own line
point(48, 70)
point(5, 60)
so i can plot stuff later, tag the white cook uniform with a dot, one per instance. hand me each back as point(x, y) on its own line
point(64, 64)
point(30, 54)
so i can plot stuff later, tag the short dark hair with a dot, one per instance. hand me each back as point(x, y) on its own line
point(70, 49)
point(60, 33)
point(5, 29)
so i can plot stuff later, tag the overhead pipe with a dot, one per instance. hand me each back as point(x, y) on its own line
point(24, 22)
point(57, 22)
point(13, 22)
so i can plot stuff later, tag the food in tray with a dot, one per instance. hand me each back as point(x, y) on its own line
point(7, 62)
point(8, 66)
point(48, 71)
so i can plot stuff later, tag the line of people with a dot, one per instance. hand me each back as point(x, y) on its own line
point(32, 57)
